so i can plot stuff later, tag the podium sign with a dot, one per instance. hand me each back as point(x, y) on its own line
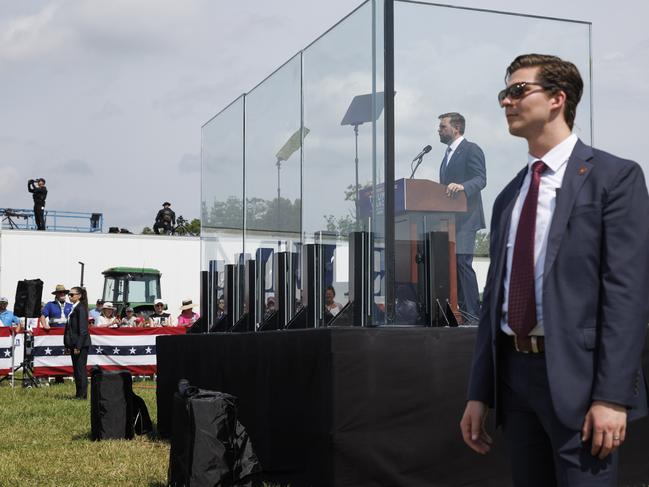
point(411, 195)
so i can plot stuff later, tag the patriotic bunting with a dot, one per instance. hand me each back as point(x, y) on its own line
point(130, 349)
point(5, 350)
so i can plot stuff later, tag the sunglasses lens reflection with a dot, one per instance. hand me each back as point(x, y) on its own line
point(513, 92)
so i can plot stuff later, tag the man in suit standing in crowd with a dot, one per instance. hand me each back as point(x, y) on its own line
point(565, 307)
point(463, 170)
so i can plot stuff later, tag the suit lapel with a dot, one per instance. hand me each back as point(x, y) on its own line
point(577, 171)
point(456, 153)
point(501, 251)
point(443, 169)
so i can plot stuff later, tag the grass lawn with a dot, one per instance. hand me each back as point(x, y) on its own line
point(45, 441)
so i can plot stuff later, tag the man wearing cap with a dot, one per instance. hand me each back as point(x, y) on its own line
point(56, 311)
point(165, 219)
point(6, 316)
point(94, 314)
point(159, 317)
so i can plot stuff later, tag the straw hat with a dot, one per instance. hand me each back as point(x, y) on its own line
point(108, 305)
point(60, 288)
point(187, 304)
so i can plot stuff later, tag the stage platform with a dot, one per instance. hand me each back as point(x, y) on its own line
point(361, 407)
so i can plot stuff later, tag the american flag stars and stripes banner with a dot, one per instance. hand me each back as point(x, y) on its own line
point(130, 349)
point(5, 350)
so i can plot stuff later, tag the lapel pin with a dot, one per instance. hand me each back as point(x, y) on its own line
point(582, 170)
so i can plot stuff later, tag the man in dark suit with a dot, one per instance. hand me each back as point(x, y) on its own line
point(463, 169)
point(565, 308)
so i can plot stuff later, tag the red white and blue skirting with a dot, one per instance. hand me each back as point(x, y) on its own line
point(130, 349)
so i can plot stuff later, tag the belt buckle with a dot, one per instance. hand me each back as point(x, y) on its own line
point(516, 345)
point(535, 345)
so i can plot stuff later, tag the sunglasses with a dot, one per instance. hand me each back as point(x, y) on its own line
point(517, 90)
point(73, 294)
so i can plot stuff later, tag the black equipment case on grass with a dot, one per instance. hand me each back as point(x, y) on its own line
point(115, 411)
point(209, 447)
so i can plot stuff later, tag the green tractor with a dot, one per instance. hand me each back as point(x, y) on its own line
point(132, 286)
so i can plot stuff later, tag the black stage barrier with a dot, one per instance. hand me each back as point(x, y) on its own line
point(354, 406)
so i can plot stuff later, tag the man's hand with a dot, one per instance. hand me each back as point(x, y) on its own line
point(605, 423)
point(453, 189)
point(472, 426)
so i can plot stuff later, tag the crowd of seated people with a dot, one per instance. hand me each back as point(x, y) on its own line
point(105, 314)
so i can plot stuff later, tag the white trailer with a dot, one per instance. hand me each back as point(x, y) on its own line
point(54, 258)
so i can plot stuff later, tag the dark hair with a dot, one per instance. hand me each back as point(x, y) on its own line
point(41, 179)
point(83, 295)
point(558, 75)
point(457, 121)
point(331, 288)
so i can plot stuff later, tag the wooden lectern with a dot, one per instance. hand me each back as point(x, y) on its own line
point(421, 206)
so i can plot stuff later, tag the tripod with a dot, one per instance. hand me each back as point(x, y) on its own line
point(26, 365)
point(12, 224)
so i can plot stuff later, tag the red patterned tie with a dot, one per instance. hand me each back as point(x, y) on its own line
point(521, 308)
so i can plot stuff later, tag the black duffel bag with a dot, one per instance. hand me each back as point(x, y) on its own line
point(209, 447)
point(116, 412)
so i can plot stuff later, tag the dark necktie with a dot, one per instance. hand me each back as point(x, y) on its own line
point(442, 170)
point(521, 307)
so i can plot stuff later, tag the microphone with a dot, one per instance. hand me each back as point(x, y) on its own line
point(423, 152)
point(419, 157)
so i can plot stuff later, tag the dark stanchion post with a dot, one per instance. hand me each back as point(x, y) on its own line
point(205, 279)
point(250, 293)
point(360, 272)
point(229, 294)
point(263, 262)
point(285, 279)
point(312, 284)
point(357, 312)
point(436, 277)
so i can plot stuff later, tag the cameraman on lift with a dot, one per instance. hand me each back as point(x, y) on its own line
point(39, 193)
point(165, 219)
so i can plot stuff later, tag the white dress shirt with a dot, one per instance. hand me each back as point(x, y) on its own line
point(556, 160)
point(453, 147)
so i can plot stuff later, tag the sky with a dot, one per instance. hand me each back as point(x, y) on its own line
point(106, 99)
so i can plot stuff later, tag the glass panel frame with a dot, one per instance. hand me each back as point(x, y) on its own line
point(345, 177)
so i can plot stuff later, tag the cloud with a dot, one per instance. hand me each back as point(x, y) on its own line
point(30, 36)
point(108, 110)
point(6, 139)
point(183, 101)
point(190, 163)
point(8, 178)
point(75, 166)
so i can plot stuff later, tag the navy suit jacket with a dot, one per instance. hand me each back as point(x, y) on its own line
point(467, 167)
point(595, 289)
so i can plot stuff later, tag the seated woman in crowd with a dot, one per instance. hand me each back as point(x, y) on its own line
point(187, 316)
point(107, 317)
point(129, 319)
point(330, 305)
